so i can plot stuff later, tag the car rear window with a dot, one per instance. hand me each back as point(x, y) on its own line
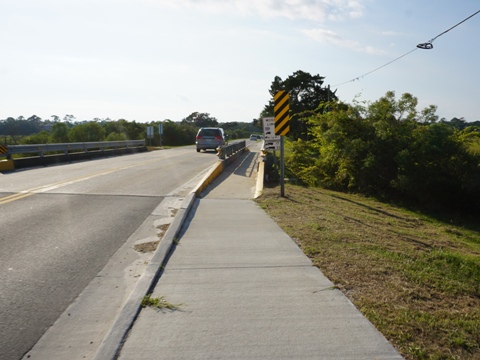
point(210, 132)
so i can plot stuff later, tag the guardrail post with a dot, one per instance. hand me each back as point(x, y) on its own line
point(221, 152)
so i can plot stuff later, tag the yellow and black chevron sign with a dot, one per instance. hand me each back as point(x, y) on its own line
point(3, 149)
point(281, 109)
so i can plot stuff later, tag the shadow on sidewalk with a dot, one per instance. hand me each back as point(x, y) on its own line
point(242, 171)
point(245, 165)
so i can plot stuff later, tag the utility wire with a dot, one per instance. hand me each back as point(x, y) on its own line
point(368, 73)
point(426, 46)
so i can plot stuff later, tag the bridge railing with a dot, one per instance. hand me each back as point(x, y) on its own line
point(228, 150)
point(66, 148)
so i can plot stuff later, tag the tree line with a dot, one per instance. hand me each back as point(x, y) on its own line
point(386, 148)
point(34, 130)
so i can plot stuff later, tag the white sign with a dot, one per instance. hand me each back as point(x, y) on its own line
point(269, 129)
point(272, 145)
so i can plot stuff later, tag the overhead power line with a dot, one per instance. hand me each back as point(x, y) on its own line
point(368, 73)
point(425, 46)
point(428, 45)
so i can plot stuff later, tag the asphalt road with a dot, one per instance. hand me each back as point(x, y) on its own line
point(60, 225)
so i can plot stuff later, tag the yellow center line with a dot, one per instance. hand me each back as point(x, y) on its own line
point(13, 198)
point(44, 188)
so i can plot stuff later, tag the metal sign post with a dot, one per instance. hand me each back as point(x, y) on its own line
point(282, 166)
point(160, 132)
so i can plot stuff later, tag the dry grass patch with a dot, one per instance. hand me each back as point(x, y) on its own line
point(146, 247)
point(151, 246)
point(416, 278)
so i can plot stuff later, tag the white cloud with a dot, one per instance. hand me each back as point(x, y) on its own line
point(330, 37)
point(316, 10)
point(390, 33)
point(182, 98)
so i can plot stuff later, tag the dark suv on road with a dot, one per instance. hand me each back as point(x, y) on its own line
point(210, 138)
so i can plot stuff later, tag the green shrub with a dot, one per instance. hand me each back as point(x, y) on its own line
point(388, 149)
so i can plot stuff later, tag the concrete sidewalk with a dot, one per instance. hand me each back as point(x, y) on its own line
point(246, 291)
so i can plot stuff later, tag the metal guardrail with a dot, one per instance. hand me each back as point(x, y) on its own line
point(229, 150)
point(67, 148)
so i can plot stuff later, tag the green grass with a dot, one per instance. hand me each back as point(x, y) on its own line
point(159, 303)
point(415, 277)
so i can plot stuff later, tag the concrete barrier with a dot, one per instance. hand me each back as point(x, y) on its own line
point(6, 165)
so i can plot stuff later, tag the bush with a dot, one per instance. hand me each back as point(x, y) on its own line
point(388, 150)
point(87, 132)
point(42, 137)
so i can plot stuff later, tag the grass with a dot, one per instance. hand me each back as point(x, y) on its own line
point(159, 303)
point(416, 278)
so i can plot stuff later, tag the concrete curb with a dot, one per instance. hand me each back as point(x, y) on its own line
point(260, 176)
point(216, 170)
point(112, 343)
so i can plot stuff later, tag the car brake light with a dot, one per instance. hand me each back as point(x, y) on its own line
point(199, 137)
point(218, 138)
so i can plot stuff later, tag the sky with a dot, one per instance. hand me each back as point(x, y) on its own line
point(152, 60)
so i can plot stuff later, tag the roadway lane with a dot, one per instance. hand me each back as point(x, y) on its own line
point(60, 225)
